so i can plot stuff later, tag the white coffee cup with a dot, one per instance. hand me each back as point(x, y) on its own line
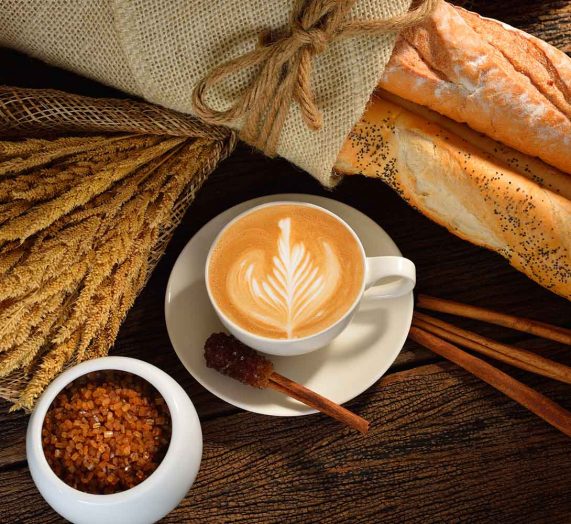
point(401, 271)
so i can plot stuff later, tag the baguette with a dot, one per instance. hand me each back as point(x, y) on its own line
point(532, 168)
point(502, 82)
point(472, 192)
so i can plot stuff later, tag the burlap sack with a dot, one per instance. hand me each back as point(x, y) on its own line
point(159, 49)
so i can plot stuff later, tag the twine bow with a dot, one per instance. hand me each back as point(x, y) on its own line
point(283, 60)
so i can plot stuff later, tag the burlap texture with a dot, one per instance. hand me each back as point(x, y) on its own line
point(159, 49)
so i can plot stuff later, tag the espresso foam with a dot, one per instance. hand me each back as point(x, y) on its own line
point(285, 271)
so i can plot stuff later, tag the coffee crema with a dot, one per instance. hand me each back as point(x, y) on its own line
point(285, 271)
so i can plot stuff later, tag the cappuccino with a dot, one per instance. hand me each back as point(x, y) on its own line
point(285, 271)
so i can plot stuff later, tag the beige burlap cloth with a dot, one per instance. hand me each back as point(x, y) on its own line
point(160, 49)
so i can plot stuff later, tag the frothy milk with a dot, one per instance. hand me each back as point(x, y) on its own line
point(285, 271)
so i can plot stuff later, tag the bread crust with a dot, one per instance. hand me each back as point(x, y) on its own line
point(530, 167)
point(500, 81)
point(472, 193)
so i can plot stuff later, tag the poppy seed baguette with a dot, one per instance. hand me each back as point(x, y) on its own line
point(465, 188)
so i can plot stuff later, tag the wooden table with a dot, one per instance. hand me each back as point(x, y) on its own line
point(444, 447)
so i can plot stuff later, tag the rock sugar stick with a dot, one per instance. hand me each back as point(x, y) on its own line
point(229, 356)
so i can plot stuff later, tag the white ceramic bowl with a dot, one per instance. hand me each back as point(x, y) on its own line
point(153, 498)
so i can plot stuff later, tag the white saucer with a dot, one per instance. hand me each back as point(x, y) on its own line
point(348, 366)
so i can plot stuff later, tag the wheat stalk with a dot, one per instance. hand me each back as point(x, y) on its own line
point(82, 221)
point(123, 282)
point(52, 363)
point(13, 312)
point(23, 351)
point(41, 265)
point(44, 214)
point(30, 146)
point(12, 210)
point(9, 258)
point(125, 297)
point(114, 245)
point(113, 249)
point(19, 165)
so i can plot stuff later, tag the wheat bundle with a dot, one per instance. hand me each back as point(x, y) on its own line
point(83, 221)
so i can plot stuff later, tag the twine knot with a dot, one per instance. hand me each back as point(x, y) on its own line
point(283, 61)
point(314, 39)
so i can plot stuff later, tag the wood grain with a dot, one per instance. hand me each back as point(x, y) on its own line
point(209, 407)
point(549, 20)
point(407, 469)
point(533, 400)
point(443, 447)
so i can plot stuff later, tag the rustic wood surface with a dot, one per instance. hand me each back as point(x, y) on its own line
point(443, 447)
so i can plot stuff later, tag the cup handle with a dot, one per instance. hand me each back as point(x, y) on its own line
point(385, 267)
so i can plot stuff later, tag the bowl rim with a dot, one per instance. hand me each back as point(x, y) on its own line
point(160, 380)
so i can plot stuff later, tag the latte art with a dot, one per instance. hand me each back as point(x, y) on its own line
point(285, 271)
point(294, 290)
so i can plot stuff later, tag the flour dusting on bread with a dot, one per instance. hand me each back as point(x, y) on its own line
point(504, 83)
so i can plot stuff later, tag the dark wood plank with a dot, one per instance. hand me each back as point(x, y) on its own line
point(20, 497)
point(549, 20)
point(443, 447)
point(408, 469)
point(12, 447)
point(13, 436)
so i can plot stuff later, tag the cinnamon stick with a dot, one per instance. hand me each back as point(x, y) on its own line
point(512, 355)
point(534, 327)
point(312, 399)
point(537, 403)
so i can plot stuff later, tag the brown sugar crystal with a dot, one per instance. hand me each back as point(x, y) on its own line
point(106, 432)
point(229, 356)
